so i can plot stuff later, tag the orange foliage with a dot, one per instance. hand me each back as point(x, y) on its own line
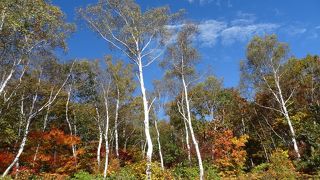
point(60, 138)
point(54, 152)
point(228, 151)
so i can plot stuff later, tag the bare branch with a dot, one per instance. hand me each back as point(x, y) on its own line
point(271, 108)
point(151, 104)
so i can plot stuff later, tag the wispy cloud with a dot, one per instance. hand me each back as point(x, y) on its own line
point(294, 30)
point(209, 31)
point(227, 33)
point(242, 33)
point(216, 2)
point(242, 28)
point(243, 19)
point(213, 31)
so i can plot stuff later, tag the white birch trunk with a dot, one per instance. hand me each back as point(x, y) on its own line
point(106, 133)
point(187, 133)
point(146, 121)
point(116, 123)
point(69, 123)
point(21, 148)
point(31, 115)
point(9, 76)
point(99, 149)
point(194, 140)
point(286, 115)
point(100, 139)
point(159, 144)
point(3, 16)
point(24, 139)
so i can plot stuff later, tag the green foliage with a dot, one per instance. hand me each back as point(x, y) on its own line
point(192, 172)
point(124, 173)
point(183, 172)
point(280, 167)
point(211, 172)
point(137, 171)
point(222, 119)
point(261, 168)
point(83, 175)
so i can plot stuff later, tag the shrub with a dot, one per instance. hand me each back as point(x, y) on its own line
point(183, 172)
point(280, 167)
point(124, 173)
point(83, 175)
point(137, 171)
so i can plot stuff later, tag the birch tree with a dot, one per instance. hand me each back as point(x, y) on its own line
point(265, 59)
point(35, 108)
point(106, 90)
point(138, 35)
point(124, 86)
point(180, 62)
point(27, 27)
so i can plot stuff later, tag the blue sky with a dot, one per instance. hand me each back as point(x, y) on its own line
point(225, 26)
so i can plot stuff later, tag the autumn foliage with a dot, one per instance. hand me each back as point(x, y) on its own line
point(228, 152)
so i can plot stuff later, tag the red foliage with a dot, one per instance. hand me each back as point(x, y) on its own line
point(54, 153)
point(5, 159)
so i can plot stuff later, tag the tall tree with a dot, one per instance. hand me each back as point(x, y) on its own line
point(122, 78)
point(27, 27)
point(265, 59)
point(36, 106)
point(138, 35)
point(180, 61)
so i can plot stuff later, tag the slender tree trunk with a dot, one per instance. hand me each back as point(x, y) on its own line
point(69, 123)
point(194, 140)
point(25, 135)
point(286, 115)
point(187, 132)
point(159, 144)
point(146, 121)
point(24, 139)
point(100, 139)
point(116, 123)
point(6, 80)
point(124, 136)
point(99, 149)
point(106, 133)
point(75, 133)
point(22, 145)
point(3, 16)
point(31, 115)
point(45, 122)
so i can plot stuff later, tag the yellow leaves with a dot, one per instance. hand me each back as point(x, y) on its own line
point(80, 151)
point(228, 151)
point(298, 116)
point(114, 166)
point(240, 142)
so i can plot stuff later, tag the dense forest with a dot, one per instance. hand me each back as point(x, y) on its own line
point(96, 119)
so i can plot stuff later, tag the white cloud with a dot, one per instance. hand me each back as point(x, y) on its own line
point(212, 31)
point(242, 33)
point(209, 31)
point(216, 2)
point(295, 30)
point(240, 29)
